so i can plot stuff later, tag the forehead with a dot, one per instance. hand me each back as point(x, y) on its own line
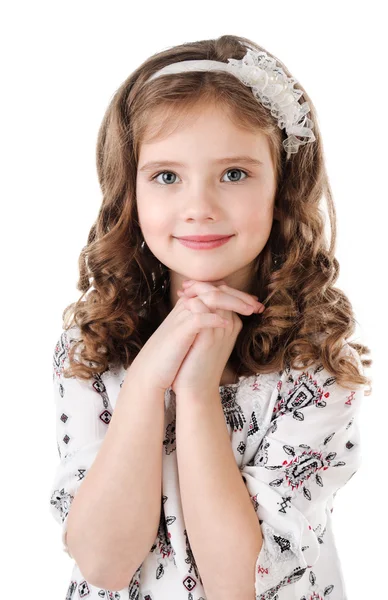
point(211, 128)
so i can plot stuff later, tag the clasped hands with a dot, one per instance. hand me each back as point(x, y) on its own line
point(201, 371)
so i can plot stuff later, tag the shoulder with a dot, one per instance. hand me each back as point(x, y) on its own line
point(347, 353)
point(314, 385)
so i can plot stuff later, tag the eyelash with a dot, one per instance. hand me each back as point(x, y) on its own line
point(232, 182)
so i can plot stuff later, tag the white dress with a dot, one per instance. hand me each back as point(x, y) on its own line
point(296, 440)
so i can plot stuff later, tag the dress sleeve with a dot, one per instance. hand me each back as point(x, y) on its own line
point(82, 418)
point(309, 452)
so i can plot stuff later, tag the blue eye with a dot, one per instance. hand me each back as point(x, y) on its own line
point(161, 173)
point(235, 170)
point(172, 173)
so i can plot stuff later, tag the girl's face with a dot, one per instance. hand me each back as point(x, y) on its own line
point(198, 187)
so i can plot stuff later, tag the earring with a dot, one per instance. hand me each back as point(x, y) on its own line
point(164, 284)
point(276, 260)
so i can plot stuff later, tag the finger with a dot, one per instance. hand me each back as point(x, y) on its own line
point(199, 287)
point(242, 300)
point(197, 307)
point(249, 298)
point(199, 321)
point(217, 299)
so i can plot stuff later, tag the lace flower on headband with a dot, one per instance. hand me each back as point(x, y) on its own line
point(270, 85)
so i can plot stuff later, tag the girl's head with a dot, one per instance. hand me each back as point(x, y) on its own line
point(278, 250)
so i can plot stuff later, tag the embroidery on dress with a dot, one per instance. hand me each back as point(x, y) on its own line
point(169, 441)
point(233, 412)
point(62, 500)
point(189, 582)
point(60, 355)
point(305, 392)
point(295, 576)
point(278, 548)
point(71, 590)
point(162, 547)
point(134, 586)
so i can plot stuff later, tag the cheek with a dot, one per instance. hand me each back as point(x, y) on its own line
point(152, 217)
point(258, 221)
point(254, 232)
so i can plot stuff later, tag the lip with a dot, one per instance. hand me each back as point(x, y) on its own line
point(204, 245)
point(203, 238)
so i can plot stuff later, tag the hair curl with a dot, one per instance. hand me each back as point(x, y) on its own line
point(125, 292)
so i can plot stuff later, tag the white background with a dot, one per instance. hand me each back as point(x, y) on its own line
point(61, 64)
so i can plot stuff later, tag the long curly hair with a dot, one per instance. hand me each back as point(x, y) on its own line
point(125, 289)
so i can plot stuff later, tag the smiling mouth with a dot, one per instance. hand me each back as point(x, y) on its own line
point(204, 245)
point(204, 238)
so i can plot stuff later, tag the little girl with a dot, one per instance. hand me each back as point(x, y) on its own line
point(207, 398)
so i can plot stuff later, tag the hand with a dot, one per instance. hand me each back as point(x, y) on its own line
point(202, 368)
point(159, 360)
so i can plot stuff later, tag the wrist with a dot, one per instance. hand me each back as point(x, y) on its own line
point(199, 395)
point(142, 387)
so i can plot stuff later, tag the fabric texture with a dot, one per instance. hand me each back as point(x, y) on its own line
point(295, 436)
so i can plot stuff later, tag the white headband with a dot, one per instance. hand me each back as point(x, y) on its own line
point(270, 85)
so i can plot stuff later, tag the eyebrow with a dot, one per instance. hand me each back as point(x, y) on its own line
point(228, 159)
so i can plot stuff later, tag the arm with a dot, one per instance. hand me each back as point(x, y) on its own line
point(223, 529)
point(111, 513)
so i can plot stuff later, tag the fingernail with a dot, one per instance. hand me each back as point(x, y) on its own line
point(187, 282)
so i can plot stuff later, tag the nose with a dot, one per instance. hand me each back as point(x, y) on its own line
point(201, 202)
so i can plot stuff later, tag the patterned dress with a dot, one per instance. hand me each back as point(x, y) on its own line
point(296, 440)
